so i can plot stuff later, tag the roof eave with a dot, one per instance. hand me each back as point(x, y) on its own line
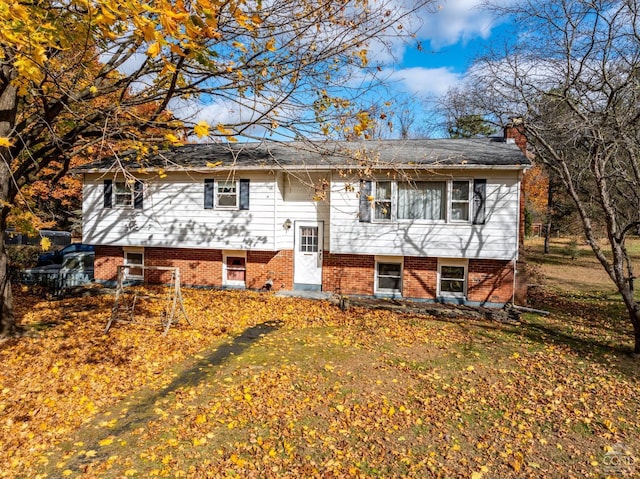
point(204, 170)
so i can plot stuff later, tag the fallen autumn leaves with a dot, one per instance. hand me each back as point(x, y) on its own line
point(305, 390)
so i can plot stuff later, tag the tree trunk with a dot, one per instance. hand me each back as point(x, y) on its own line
point(8, 111)
point(636, 332)
point(547, 230)
point(7, 319)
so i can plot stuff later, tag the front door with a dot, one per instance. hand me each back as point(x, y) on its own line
point(307, 268)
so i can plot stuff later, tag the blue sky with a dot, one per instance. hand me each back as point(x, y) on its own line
point(450, 37)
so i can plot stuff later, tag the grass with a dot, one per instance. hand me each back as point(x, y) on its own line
point(583, 275)
point(260, 386)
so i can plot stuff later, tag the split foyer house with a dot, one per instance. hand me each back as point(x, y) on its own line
point(428, 220)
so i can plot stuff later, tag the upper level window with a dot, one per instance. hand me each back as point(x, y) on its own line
point(123, 194)
point(423, 200)
point(227, 194)
point(459, 201)
point(382, 201)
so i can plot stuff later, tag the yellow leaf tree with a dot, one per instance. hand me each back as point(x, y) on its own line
point(265, 63)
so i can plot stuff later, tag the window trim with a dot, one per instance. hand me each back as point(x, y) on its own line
point(388, 260)
point(463, 263)
point(133, 250)
point(233, 254)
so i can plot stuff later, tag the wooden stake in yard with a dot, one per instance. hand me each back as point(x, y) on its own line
point(127, 298)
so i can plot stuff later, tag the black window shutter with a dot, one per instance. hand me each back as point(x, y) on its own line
point(108, 193)
point(244, 194)
point(479, 201)
point(365, 204)
point(208, 193)
point(138, 194)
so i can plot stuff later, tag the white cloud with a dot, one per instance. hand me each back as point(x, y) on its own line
point(458, 20)
point(425, 81)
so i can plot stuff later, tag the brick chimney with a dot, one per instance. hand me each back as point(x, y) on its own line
point(514, 133)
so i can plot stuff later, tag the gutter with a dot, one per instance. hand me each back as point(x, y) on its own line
point(205, 170)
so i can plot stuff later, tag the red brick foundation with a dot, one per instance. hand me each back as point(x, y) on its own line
point(489, 281)
point(348, 274)
point(273, 266)
point(200, 267)
point(105, 266)
point(420, 277)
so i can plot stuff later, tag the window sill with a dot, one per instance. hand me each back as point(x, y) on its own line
point(388, 294)
point(451, 298)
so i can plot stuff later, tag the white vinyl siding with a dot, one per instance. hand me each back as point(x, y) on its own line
point(173, 215)
point(295, 202)
point(495, 239)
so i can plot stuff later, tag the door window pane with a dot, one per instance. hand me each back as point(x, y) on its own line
point(309, 239)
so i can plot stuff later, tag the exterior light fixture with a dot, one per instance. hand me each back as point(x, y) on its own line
point(287, 224)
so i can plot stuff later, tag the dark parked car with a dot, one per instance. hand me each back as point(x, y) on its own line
point(75, 270)
point(56, 257)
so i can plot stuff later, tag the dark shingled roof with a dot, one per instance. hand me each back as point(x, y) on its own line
point(476, 152)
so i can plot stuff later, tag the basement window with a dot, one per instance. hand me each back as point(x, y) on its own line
point(452, 278)
point(134, 262)
point(388, 275)
point(234, 268)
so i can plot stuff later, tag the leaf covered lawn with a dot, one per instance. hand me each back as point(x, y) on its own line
point(263, 386)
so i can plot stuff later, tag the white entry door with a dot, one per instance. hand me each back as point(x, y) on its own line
point(307, 267)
